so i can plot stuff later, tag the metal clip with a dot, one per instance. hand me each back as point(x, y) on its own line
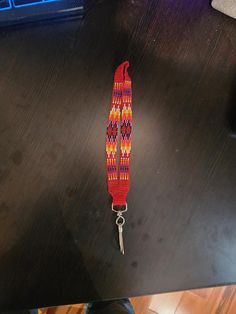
point(120, 221)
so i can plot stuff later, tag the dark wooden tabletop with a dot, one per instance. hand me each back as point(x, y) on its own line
point(58, 242)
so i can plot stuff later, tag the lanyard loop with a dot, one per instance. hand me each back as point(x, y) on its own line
point(120, 118)
point(118, 174)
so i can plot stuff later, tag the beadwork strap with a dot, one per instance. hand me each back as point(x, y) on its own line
point(118, 175)
point(120, 116)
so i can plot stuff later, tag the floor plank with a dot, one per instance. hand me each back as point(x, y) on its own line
point(165, 303)
point(203, 293)
point(214, 300)
point(190, 304)
point(218, 300)
point(232, 307)
point(226, 300)
point(141, 304)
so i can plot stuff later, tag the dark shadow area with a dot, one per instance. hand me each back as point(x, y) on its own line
point(45, 266)
point(232, 109)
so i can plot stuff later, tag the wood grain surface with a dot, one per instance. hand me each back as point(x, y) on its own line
point(217, 300)
point(57, 236)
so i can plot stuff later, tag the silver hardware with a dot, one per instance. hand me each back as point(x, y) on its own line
point(120, 221)
point(119, 211)
point(121, 241)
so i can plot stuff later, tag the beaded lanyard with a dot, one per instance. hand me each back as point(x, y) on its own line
point(118, 174)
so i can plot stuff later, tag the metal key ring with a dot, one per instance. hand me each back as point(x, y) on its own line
point(119, 211)
point(120, 220)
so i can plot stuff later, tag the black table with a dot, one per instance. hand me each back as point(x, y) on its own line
point(58, 241)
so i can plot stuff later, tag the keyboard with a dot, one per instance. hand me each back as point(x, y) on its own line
point(20, 11)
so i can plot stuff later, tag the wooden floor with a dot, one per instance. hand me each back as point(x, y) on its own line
point(221, 300)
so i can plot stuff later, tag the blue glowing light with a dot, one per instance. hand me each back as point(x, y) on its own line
point(5, 5)
point(10, 4)
point(26, 3)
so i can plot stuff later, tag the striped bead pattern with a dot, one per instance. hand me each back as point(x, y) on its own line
point(120, 114)
point(119, 125)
